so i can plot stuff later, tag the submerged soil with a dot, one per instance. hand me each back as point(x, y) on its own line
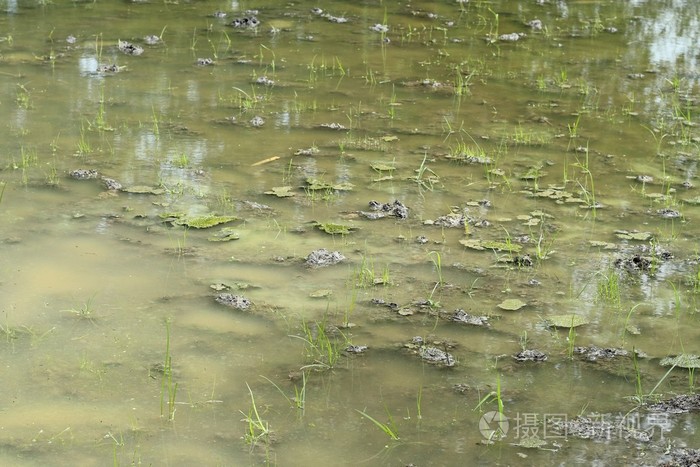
point(432, 234)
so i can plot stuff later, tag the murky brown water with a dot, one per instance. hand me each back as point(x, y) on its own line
point(544, 142)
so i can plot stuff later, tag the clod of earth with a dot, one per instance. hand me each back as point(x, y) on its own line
point(594, 353)
point(669, 213)
point(461, 316)
point(245, 22)
point(312, 151)
point(332, 126)
point(566, 321)
point(680, 457)
point(129, 48)
point(113, 68)
point(436, 356)
point(224, 235)
point(238, 302)
point(530, 356)
point(381, 210)
point(531, 442)
point(512, 304)
point(512, 37)
point(111, 184)
point(323, 257)
point(257, 121)
point(84, 174)
point(683, 403)
point(322, 293)
point(142, 189)
point(356, 349)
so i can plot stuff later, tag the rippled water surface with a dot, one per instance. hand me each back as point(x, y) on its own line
point(170, 171)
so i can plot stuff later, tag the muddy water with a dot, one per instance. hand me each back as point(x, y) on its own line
point(554, 143)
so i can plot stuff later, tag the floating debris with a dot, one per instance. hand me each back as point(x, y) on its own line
point(205, 62)
point(530, 356)
point(129, 48)
point(634, 235)
point(200, 222)
point(481, 245)
point(381, 28)
point(238, 302)
point(512, 304)
point(322, 293)
point(281, 191)
point(316, 184)
point(381, 210)
point(602, 244)
point(334, 229)
point(566, 321)
point(682, 361)
point(323, 257)
point(594, 353)
point(84, 174)
point(461, 316)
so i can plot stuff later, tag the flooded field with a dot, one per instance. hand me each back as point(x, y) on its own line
point(362, 233)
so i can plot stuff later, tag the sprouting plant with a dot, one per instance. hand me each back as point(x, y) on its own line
point(626, 324)
point(640, 396)
point(322, 348)
point(298, 400)
point(609, 286)
point(258, 430)
point(168, 389)
point(437, 262)
point(22, 96)
point(84, 146)
point(388, 428)
point(84, 311)
point(573, 127)
point(494, 396)
point(425, 177)
point(182, 160)
point(571, 340)
point(523, 340)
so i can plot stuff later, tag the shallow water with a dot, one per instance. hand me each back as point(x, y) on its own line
point(542, 142)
